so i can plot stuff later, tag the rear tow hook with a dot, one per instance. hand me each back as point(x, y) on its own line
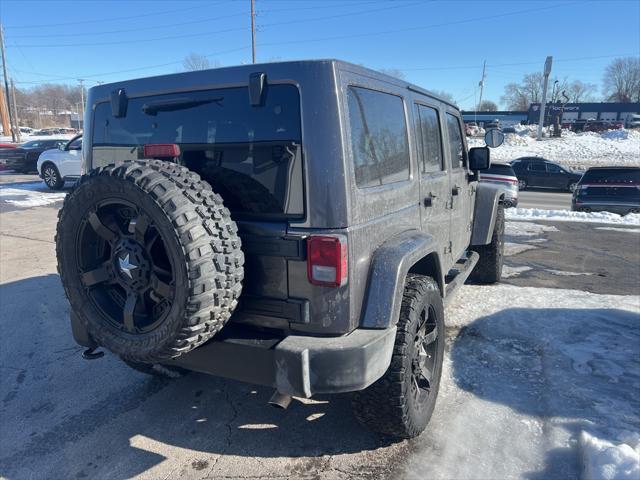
point(91, 354)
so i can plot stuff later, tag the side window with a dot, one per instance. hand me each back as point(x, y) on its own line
point(552, 168)
point(76, 144)
point(456, 146)
point(431, 139)
point(537, 167)
point(378, 137)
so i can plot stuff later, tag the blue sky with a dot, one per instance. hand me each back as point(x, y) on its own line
point(439, 45)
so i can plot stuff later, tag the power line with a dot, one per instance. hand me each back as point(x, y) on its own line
point(189, 35)
point(102, 20)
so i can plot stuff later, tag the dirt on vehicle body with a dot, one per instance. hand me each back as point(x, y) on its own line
point(298, 225)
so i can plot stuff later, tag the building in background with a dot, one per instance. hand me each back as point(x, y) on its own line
point(571, 112)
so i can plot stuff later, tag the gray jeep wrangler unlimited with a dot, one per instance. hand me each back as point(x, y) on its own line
point(298, 225)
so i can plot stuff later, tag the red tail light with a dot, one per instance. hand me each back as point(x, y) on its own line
point(161, 150)
point(327, 260)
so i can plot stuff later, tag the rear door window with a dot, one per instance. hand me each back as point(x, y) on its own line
point(537, 167)
point(379, 141)
point(251, 155)
point(456, 146)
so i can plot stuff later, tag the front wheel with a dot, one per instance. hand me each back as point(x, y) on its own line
point(401, 403)
point(51, 177)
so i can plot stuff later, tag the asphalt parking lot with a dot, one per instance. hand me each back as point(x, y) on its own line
point(64, 417)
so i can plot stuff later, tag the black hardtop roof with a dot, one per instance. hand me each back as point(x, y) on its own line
point(614, 168)
point(292, 65)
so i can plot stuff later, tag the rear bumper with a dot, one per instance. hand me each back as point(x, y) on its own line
point(297, 365)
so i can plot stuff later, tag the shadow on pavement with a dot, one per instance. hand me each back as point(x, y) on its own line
point(64, 417)
point(573, 369)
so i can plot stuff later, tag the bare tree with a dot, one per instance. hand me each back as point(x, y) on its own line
point(621, 82)
point(488, 106)
point(578, 91)
point(195, 61)
point(518, 96)
point(393, 72)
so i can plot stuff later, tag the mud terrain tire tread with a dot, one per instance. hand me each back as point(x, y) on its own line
point(210, 249)
point(386, 406)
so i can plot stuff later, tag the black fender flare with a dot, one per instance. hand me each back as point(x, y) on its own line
point(389, 268)
point(484, 217)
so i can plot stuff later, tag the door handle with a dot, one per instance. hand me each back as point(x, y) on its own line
point(428, 201)
point(455, 190)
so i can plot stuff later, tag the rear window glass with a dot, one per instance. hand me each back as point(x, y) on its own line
point(626, 175)
point(497, 169)
point(378, 137)
point(251, 155)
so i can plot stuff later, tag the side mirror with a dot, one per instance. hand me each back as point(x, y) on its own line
point(494, 138)
point(479, 158)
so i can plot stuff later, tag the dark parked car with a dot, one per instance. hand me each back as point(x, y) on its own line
point(608, 189)
point(25, 157)
point(509, 130)
point(539, 172)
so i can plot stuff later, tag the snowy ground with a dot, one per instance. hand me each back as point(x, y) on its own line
point(569, 216)
point(28, 138)
point(538, 383)
point(575, 150)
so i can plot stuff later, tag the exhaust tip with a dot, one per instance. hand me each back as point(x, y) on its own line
point(280, 400)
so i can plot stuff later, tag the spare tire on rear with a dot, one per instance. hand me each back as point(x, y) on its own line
point(149, 259)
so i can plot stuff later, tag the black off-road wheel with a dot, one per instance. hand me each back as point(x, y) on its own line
point(489, 267)
point(149, 259)
point(401, 403)
point(51, 176)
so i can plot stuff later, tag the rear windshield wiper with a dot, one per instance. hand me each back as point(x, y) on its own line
point(152, 108)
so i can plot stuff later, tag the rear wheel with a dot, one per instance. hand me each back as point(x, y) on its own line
point(522, 184)
point(51, 177)
point(149, 258)
point(401, 403)
point(489, 267)
point(572, 186)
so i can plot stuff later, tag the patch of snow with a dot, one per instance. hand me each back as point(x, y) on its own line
point(604, 460)
point(618, 229)
point(509, 272)
point(27, 195)
point(569, 216)
point(562, 273)
point(511, 248)
point(526, 229)
point(527, 370)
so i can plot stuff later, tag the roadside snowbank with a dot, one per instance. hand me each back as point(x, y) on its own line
point(604, 460)
point(569, 216)
point(575, 150)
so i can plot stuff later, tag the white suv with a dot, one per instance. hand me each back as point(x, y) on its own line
point(58, 165)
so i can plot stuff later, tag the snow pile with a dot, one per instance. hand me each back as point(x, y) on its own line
point(574, 150)
point(604, 460)
point(27, 195)
point(527, 371)
point(569, 216)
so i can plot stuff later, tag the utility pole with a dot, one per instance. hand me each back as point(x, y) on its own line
point(15, 110)
point(481, 84)
point(543, 104)
point(6, 84)
point(81, 119)
point(253, 32)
